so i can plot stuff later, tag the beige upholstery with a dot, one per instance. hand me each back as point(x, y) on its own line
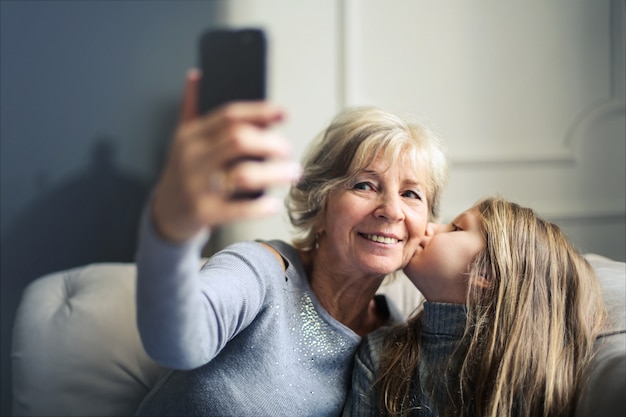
point(76, 350)
point(605, 391)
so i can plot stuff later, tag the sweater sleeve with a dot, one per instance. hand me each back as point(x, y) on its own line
point(362, 399)
point(186, 314)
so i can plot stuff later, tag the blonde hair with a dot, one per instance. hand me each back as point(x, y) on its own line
point(353, 140)
point(529, 333)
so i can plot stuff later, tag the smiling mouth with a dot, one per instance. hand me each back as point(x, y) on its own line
point(381, 239)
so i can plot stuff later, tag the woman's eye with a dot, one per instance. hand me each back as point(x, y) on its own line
point(413, 194)
point(365, 186)
point(455, 228)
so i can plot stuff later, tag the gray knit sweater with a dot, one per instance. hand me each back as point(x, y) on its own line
point(246, 337)
point(442, 329)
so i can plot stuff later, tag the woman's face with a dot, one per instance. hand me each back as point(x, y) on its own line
point(375, 224)
point(439, 268)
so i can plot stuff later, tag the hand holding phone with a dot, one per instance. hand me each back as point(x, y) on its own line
point(233, 64)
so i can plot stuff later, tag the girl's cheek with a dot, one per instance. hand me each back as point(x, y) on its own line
point(410, 269)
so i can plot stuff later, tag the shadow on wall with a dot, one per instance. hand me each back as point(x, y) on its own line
point(92, 217)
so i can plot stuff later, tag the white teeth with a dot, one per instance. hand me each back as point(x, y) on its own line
point(382, 239)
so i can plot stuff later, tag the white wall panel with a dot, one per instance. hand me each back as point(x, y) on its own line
point(500, 79)
point(528, 95)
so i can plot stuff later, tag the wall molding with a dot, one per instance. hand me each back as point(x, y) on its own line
point(513, 160)
point(597, 111)
point(574, 216)
point(568, 215)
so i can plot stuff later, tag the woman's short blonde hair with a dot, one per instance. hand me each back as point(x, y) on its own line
point(353, 140)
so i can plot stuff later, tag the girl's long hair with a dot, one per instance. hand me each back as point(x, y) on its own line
point(529, 334)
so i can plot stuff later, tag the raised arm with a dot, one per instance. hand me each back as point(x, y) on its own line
point(181, 315)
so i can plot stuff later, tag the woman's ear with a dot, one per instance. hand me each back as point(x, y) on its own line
point(319, 231)
point(480, 281)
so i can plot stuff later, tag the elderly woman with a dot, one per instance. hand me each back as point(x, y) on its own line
point(270, 328)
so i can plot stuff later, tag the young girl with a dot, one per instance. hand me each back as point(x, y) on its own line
point(511, 314)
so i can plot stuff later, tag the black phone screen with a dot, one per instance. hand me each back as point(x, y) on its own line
point(233, 66)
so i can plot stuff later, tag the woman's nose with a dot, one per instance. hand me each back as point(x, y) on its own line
point(390, 208)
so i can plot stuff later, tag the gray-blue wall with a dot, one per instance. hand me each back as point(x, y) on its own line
point(89, 98)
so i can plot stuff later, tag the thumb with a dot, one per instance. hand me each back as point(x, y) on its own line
point(189, 106)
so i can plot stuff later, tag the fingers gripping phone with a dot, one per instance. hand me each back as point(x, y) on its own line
point(233, 64)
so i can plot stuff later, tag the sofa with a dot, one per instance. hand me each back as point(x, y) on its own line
point(76, 350)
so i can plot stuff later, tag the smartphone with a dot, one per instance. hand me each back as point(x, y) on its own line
point(233, 64)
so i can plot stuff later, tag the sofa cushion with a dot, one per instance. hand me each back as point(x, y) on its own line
point(612, 276)
point(605, 387)
point(76, 349)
